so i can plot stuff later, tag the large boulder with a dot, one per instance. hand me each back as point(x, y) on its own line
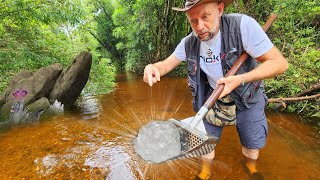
point(38, 85)
point(25, 84)
point(72, 80)
point(22, 74)
point(44, 80)
point(42, 103)
point(13, 81)
point(47, 85)
point(2, 101)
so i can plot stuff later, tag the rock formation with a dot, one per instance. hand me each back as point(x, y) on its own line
point(48, 84)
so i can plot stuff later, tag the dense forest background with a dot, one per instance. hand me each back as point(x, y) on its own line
point(125, 35)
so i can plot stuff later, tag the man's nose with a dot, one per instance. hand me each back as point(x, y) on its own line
point(200, 25)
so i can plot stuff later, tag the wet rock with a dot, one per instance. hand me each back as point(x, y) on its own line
point(13, 81)
point(72, 80)
point(42, 103)
point(25, 84)
point(5, 112)
point(38, 85)
point(22, 84)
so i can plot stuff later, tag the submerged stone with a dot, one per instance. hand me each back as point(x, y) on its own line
point(158, 141)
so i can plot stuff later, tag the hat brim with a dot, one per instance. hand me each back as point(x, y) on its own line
point(226, 3)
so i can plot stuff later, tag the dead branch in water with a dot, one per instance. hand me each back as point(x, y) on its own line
point(283, 101)
point(308, 94)
point(279, 100)
point(314, 88)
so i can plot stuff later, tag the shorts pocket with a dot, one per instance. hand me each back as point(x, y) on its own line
point(265, 98)
point(251, 97)
point(265, 127)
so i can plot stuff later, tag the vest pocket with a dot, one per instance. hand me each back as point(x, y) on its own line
point(230, 57)
point(192, 83)
point(250, 96)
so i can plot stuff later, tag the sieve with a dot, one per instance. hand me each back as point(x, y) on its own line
point(194, 142)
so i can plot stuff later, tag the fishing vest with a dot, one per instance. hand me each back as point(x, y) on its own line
point(244, 96)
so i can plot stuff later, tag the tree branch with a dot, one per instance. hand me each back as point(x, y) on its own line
point(105, 11)
point(314, 88)
point(283, 100)
point(96, 37)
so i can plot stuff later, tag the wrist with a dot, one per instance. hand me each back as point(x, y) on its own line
point(243, 79)
point(150, 65)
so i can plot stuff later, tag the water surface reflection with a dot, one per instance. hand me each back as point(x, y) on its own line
point(95, 142)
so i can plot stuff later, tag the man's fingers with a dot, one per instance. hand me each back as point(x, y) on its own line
point(149, 75)
point(222, 95)
point(221, 81)
point(145, 78)
point(154, 80)
point(157, 74)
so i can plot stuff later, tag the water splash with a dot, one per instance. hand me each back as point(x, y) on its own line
point(46, 165)
point(57, 108)
point(20, 115)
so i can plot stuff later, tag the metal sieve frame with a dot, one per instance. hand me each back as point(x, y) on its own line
point(193, 141)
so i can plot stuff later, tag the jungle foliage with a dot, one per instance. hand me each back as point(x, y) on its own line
point(128, 34)
point(296, 34)
point(36, 33)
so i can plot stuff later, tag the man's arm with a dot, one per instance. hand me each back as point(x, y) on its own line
point(153, 72)
point(272, 63)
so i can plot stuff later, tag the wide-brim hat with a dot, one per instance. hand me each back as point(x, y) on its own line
point(191, 3)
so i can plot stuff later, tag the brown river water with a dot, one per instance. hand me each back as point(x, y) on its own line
point(95, 141)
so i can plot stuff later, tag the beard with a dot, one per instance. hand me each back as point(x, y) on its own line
point(212, 33)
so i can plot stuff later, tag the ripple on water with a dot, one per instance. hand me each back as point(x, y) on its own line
point(108, 158)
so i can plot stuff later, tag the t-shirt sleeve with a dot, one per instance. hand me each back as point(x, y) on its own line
point(180, 52)
point(255, 41)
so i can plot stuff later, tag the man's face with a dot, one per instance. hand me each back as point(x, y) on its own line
point(204, 19)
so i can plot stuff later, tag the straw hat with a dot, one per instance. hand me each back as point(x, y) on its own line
point(191, 3)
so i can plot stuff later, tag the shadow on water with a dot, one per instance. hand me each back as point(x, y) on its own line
point(95, 141)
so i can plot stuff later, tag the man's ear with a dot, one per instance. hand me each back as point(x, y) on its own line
point(221, 8)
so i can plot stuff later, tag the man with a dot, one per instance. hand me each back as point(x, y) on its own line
point(211, 49)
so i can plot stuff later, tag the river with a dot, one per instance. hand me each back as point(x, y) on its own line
point(95, 140)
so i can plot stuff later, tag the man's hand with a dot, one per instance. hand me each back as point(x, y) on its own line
point(151, 74)
point(272, 64)
point(230, 83)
